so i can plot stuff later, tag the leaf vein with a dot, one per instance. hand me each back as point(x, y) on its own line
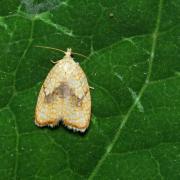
point(126, 117)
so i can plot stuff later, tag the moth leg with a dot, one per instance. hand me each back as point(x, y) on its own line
point(90, 87)
point(54, 62)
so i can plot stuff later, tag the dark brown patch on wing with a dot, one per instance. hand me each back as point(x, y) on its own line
point(75, 101)
point(62, 91)
point(65, 92)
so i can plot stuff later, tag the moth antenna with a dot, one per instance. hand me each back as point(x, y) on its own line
point(80, 55)
point(47, 47)
point(56, 49)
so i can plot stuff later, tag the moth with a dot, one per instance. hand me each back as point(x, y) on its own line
point(64, 96)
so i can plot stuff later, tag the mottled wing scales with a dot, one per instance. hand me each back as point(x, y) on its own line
point(64, 96)
point(80, 102)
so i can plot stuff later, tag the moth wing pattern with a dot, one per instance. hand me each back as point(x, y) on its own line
point(65, 96)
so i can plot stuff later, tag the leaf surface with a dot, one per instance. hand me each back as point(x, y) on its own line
point(134, 66)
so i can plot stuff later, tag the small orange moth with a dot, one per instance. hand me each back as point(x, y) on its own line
point(64, 96)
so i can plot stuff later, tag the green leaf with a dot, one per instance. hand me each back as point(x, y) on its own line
point(134, 66)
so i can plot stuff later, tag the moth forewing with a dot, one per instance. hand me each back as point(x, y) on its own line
point(64, 96)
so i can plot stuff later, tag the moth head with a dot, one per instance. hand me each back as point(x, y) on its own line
point(68, 53)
